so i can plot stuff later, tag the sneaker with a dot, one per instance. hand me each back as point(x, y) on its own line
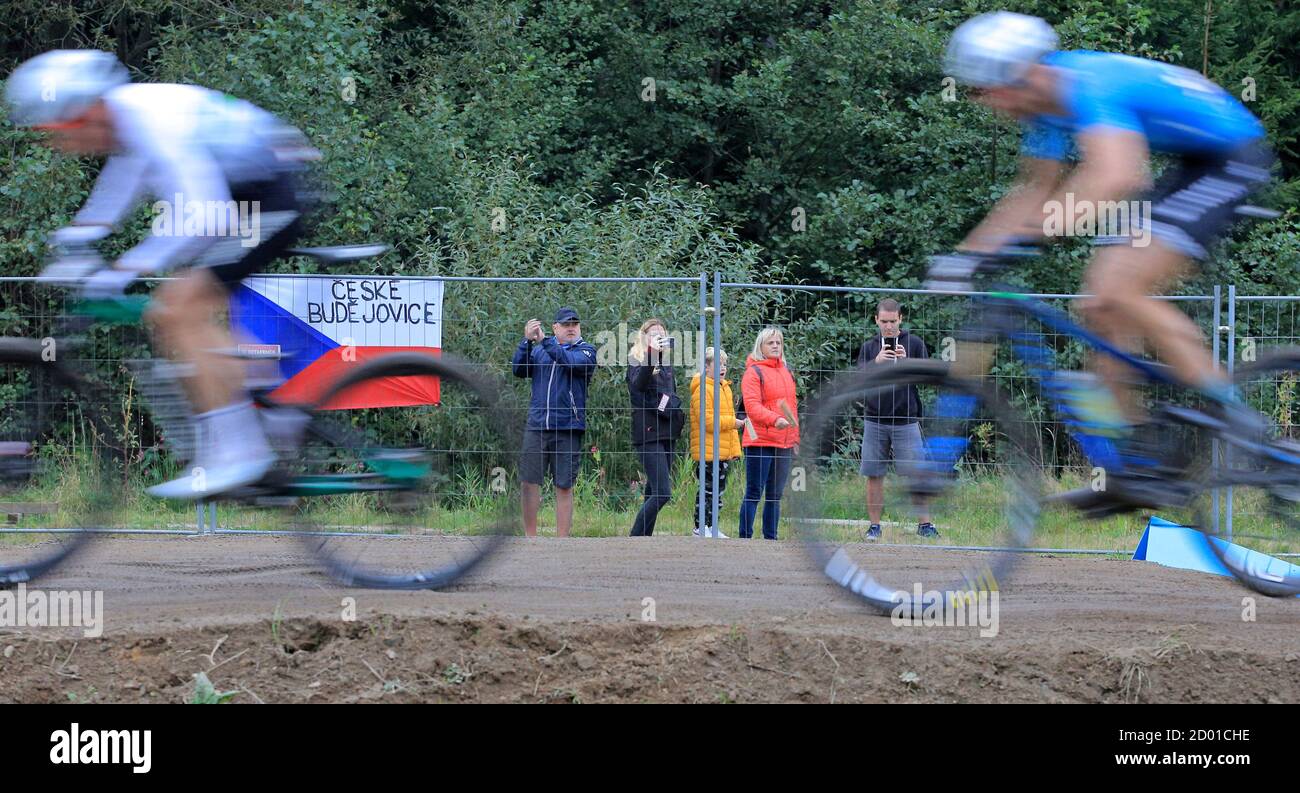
point(717, 533)
point(213, 480)
point(697, 531)
point(233, 453)
point(873, 531)
point(927, 530)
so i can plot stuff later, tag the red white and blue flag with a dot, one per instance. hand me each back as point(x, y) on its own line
point(324, 326)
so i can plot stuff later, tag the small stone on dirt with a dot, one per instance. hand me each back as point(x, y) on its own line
point(9, 651)
point(585, 662)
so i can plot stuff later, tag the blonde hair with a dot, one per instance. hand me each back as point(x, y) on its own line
point(708, 360)
point(763, 336)
point(641, 350)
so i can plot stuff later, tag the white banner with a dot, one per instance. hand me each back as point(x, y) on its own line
point(367, 312)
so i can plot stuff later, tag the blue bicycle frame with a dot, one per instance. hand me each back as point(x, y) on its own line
point(945, 450)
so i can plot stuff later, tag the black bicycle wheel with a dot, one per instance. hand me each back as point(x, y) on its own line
point(406, 497)
point(1257, 534)
point(976, 483)
point(56, 462)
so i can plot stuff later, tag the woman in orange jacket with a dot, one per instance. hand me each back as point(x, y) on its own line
point(715, 366)
point(772, 410)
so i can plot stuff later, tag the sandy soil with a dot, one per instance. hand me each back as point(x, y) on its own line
point(552, 620)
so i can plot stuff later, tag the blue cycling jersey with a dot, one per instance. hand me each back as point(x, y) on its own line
point(1176, 109)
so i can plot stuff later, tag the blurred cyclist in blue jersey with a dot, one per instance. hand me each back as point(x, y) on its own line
point(1110, 112)
point(224, 170)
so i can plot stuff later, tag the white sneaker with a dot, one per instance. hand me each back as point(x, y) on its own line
point(718, 534)
point(206, 481)
point(233, 453)
point(697, 531)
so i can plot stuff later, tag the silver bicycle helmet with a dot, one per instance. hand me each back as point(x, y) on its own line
point(997, 49)
point(61, 85)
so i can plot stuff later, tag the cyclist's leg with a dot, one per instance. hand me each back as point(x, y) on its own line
point(184, 318)
point(1189, 209)
point(233, 450)
point(1121, 280)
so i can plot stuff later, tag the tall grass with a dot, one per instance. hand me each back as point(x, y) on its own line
point(973, 513)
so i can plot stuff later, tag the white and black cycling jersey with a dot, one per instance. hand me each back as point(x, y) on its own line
point(184, 143)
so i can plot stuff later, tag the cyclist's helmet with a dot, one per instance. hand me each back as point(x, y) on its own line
point(60, 86)
point(997, 49)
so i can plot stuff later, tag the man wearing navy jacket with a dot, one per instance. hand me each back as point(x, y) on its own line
point(561, 366)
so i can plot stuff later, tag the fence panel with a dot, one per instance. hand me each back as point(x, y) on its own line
point(824, 329)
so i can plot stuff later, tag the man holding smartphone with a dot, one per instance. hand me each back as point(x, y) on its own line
point(892, 426)
point(561, 367)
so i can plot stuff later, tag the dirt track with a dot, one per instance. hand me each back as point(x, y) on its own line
point(561, 620)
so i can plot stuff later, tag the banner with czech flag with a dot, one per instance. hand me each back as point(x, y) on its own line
point(322, 327)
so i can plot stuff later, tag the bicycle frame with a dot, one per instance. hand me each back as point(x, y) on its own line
point(1039, 361)
point(392, 473)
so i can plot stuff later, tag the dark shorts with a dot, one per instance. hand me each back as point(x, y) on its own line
point(278, 226)
point(558, 452)
point(1195, 201)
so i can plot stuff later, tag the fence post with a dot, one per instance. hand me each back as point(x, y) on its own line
point(1214, 442)
point(206, 516)
point(716, 505)
point(705, 309)
point(1232, 358)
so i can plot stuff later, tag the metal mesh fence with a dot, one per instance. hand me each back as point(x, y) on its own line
point(482, 322)
point(1260, 328)
point(825, 331)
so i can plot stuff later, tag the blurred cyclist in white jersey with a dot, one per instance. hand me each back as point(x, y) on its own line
point(224, 170)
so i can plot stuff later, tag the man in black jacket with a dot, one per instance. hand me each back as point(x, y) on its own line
point(893, 416)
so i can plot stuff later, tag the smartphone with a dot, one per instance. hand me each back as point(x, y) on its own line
point(668, 341)
point(891, 344)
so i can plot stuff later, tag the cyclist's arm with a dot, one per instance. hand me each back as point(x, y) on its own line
point(1020, 212)
point(116, 190)
point(1113, 168)
point(194, 177)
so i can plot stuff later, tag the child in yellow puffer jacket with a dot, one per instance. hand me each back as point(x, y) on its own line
point(729, 439)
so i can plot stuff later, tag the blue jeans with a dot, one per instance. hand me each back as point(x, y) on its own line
point(766, 470)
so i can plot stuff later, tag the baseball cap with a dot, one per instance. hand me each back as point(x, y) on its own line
point(567, 314)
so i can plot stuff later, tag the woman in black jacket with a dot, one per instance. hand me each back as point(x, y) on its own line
point(657, 418)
